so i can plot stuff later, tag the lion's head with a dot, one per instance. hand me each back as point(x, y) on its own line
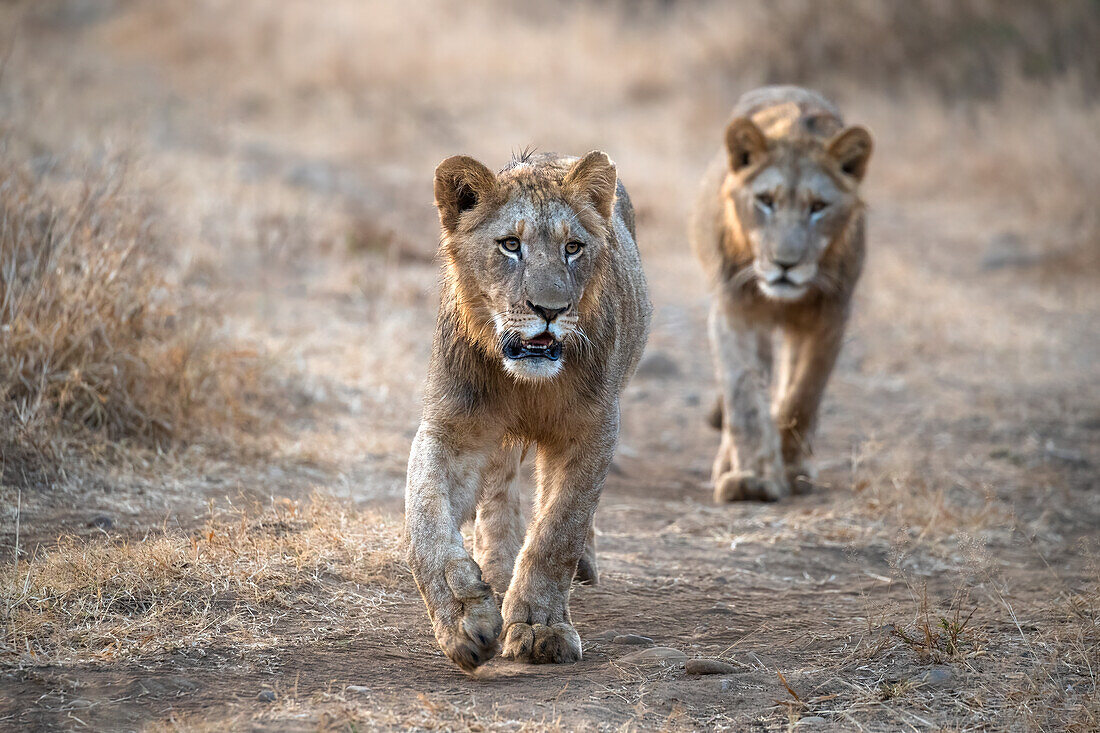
point(525, 251)
point(793, 193)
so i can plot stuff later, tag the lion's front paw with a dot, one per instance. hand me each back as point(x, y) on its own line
point(468, 626)
point(541, 644)
point(736, 486)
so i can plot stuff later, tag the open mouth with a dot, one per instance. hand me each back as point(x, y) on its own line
point(543, 346)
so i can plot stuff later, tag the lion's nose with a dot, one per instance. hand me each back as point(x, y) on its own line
point(549, 314)
point(785, 263)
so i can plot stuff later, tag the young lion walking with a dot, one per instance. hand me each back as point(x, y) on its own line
point(778, 228)
point(543, 316)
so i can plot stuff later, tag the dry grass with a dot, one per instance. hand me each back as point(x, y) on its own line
point(998, 667)
point(995, 99)
point(1056, 685)
point(108, 599)
point(353, 711)
point(963, 49)
point(95, 341)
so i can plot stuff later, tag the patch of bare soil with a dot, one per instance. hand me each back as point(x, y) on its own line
point(944, 575)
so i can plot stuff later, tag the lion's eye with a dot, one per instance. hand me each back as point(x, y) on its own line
point(509, 245)
point(766, 200)
point(817, 206)
point(572, 249)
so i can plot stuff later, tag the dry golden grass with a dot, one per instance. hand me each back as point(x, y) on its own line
point(95, 341)
point(996, 100)
point(963, 49)
point(349, 710)
point(110, 599)
point(1058, 688)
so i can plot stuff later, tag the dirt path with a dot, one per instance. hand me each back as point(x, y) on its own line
point(959, 447)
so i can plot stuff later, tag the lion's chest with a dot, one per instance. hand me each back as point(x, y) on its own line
point(549, 415)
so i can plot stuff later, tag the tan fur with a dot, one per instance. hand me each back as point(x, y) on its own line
point(779, 229)
point(483, 411)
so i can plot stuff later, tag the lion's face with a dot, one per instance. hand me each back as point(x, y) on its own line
point(525, 247)
point(793, 199)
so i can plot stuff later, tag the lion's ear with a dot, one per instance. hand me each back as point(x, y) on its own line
point(852, 149)
point(461, 183)
point(593, 178)
point(745, 144)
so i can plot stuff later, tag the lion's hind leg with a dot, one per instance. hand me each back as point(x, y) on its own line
point(588, 571)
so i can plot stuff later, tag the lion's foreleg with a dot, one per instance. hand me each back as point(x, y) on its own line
point(749, 463)
point(808, 361)
point(439, 497)
point(498, 532)
point(536, 610)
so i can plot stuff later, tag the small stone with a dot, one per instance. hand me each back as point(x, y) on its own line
point(810, 721)
point(608, 635)
point(658, 365)
point(655, 655)
point(101, 521)
point(266, 696)
point(317, 176)
point(722, 610)
point(633, 639)
point(1008, 249)
point(935, 677)
point(708, 666)
point(357, 689)
point(1075, 458)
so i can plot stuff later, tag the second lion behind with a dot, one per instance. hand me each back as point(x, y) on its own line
point(779, 229)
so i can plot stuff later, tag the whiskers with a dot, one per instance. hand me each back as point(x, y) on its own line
point(579, 339)
point(504, 336)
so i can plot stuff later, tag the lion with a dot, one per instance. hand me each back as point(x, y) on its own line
point(544, 312)
point(779, 229)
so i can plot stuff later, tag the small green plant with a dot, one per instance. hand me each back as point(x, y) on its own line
point(938, 638)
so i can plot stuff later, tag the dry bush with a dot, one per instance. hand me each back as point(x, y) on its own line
point(104, 599)
point(95, 342)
